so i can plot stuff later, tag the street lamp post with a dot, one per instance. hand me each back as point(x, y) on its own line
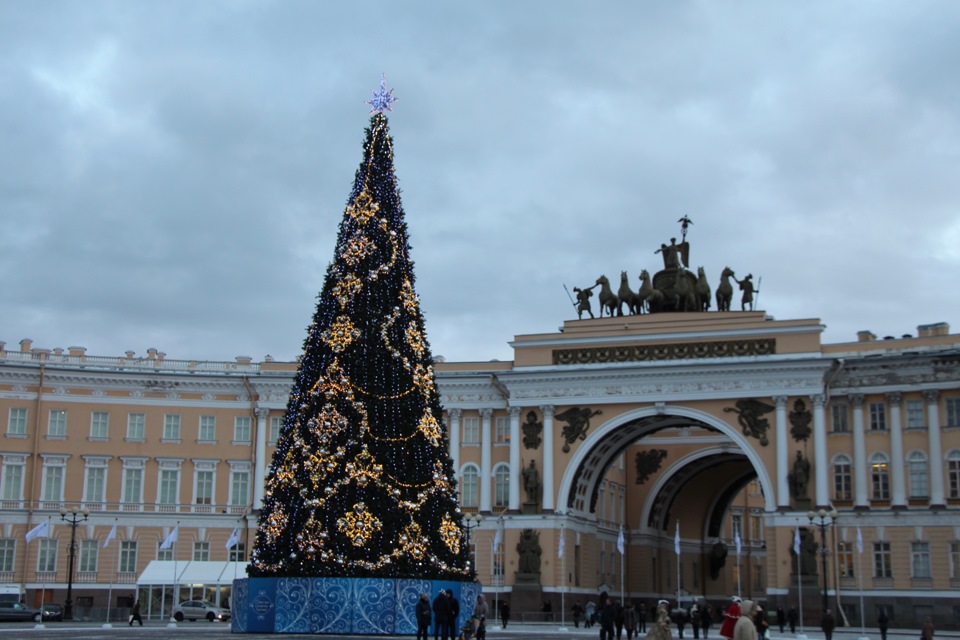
point(73, 517)
point(471, 521)
point(823, 519)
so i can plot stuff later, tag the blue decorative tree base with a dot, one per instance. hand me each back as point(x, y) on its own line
point(342, 606)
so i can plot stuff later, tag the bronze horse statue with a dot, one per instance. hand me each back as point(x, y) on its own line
point(702, 290)
point(608, 299)
point(685, 297)
point(648, 295)
point(633, 301)
point(725, 290)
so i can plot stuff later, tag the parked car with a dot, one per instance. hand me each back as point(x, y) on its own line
point(52, 611)
point(11, 611)
point(198, 610)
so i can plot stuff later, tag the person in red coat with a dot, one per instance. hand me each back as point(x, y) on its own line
point(730, 617)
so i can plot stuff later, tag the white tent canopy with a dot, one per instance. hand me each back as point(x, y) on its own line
point(161, 572)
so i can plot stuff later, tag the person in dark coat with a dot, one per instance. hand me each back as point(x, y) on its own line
point(706, 619)
point(504, 614)
point(642, 617)
point(577, 613)
point(424, 617)
point(827, 624)
point(618, 618)
point(680, 618)
point(441, 616)
point(608, 618)
point(781, 618)
point(792, 619)
point(883, 622)
point(135, 614)
point(454, 618)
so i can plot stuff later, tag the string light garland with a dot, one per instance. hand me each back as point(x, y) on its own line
point(361, 483)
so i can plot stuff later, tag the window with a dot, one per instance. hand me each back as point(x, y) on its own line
point(8, 551)
point(164, 554)
point(169, 486)
point(17, 422)
point(736, 526)
point(208, 429)
point(47, 555)
point(132, 491)
point(128, 556)
point(842, 480)
point(501, 430)
point(471, 430)
point(917, 465)
point(99, 425)
point(953, 473)
point(57, 424)
point(274, 429)
point(204, 487)
point(238, 553)
point(136, 426)
point(953, 412)
point(881, 560)
point(13, 477)
point(239, 486)
point(878, 416)
point(241, 429)
point(501, 485)
point(52, 490)
point(920, 559)
point(954, 559)
point(840, 412)
point(469, 487)
point(756, 527)
point(915, 418)
point(171, 428)
point(845, 559)
point(880, 475)
point(89, 554)
point(758, 576)
point(95, 480)
point(201, 551)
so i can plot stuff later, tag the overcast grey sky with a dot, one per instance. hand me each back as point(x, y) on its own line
point(172, 174)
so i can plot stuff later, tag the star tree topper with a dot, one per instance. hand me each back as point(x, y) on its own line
point(382, 98)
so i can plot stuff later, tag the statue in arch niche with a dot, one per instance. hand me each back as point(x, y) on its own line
point(531, 482)
point(529, 551)
point(799, 478)
point(532, 429)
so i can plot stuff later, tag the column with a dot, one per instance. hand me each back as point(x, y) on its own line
point(260, 457)
point(861, 498)
point(820, 451)
point(516, 472)
point(486, 450)
point(455, 440)
point(936, 450)
point(548, 499)
point(783, 458)
point(898, 489)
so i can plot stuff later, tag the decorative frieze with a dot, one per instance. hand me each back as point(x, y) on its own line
point(672, 351)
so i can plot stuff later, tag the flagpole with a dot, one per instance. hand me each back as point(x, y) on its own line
point(796, 545)
point(676, 548)
point(43, 584)
point(173, 592)
point(863, 624)
point(107, 625)
point(621, 548)
point(563, 581)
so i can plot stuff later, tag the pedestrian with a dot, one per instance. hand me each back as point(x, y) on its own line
point(577, 611)
point(730, 617)
point(424, 617)
point(618, 618)
point(926, 631)
point(781, 618)
point(590, 614)
point(660, 626)
point(695, 620)
point(480, 612)
point(630, 620)
point(827, 623)
point(681, 619)
point(608, 615)
point(441, 613)
point(883, 622)
point(504, 614)
point(454, 618)
point(706, 619)
point(792, 619)
point(135, 614)
point(642, 617)
point(760, 621)
point(745, 628)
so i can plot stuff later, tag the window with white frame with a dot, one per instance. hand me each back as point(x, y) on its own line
point(953, 411)
point(917, 467)
point(238, 553)
point(840, 413)
point(880, 476)
point(275, 422)
point(915, 414)
point(501, 485)
point(132, 491)
point(201, 551)
point(95, 480)
point(208, 429)
point(845, 559)
point(128, 556)
point(52, 480)
point(241, 429)
point(168, 483)
point(12, 489)
point(239, 484)
point(881, 560)
point(920, 559)
point(99, 425)
point(756, 527)
point(203, 479)
point(171, 428)
point(501, 430)
point(736, 526)
point(136, 427)
point(470, 486)
point(878, 416)
point(8, 554)
point(17, 422)
point(953, 473)
point(57, 423)
point(47, 555)
point(89, 556)
point(164, 554)
point(471, 430)
point(842, 478)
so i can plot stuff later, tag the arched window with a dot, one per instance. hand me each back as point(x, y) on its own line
point(880, 476)
point(470, 486)
point(501, 485)
point(917, 466)
point(953, 473)
point(842, 482)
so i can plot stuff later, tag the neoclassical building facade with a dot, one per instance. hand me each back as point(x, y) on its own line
point(619, 441)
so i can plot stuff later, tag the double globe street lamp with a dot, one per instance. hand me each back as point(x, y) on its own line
point(471, 521)
point(823, 519)
point(73, 517)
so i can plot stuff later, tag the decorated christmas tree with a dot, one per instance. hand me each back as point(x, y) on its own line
point(361, 483)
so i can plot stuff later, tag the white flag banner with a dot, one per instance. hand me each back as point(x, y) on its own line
point(234, 538)
point(859, 541)
point(560, 546)
point(736, 539)
point(110, 536)
point(42, 530)
point(676, 540)
point(170, 539)
point(497, 539)
point(796, 540)
point(620, 541)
